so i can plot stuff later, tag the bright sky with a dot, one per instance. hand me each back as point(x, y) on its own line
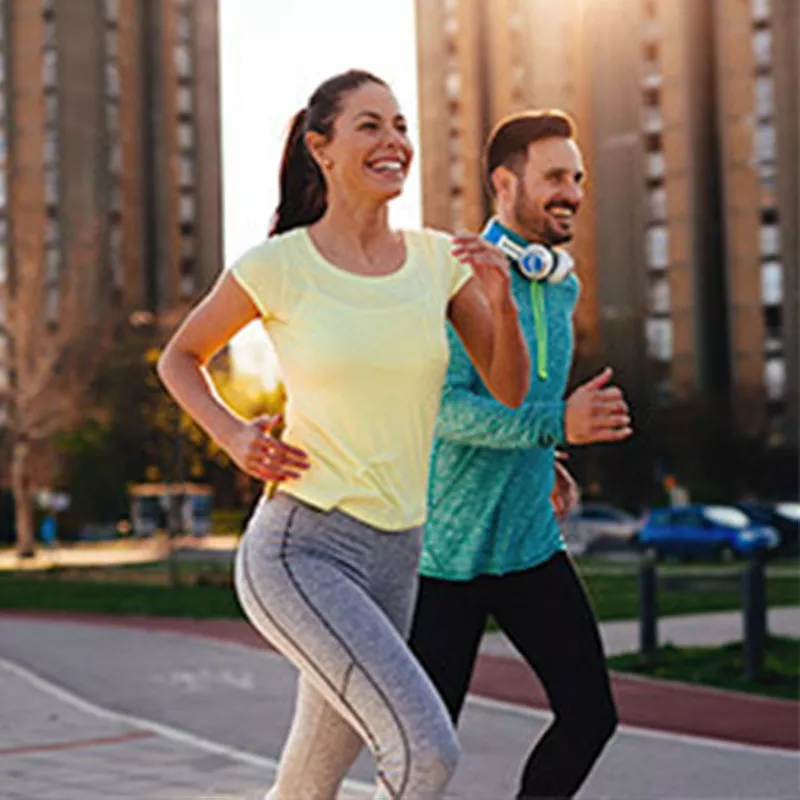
point(273, 55)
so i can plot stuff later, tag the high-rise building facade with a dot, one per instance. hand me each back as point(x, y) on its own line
point(660, 276)
point(687, 117)
point(757, 74)
point(479, 62)
point(110, 187)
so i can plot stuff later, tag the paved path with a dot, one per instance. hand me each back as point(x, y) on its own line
point(93, 710)
point(686, 630)
point(55, 745)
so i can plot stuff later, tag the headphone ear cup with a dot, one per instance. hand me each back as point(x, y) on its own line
point(537, 262)
point(564, 263)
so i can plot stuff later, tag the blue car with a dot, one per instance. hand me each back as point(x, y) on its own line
point(711, 531)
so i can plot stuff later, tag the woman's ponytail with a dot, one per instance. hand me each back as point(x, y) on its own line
point(303, 193)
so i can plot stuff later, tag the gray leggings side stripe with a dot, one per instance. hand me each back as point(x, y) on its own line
point(320, 673)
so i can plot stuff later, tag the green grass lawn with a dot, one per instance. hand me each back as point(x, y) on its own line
point(617, 596)
point(722, 667)
point(205, 590)
point(52, 592)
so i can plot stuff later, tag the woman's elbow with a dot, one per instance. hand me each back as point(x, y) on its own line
point(514, 398)
point(165, 366)
point(511, 394)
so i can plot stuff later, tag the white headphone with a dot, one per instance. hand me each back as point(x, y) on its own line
point(537, 262)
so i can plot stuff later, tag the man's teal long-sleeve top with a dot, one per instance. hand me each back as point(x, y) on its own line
point(489, 509)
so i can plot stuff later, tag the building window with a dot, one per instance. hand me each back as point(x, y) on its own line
point(115, 197)
point(112, 79)
point(185, 103)
point(52, 231)
point(112, 116)
point(769, 240)
point(766, 144)
point(655, 167)
point(50, 147)
point(765, 97)
point(769, 188)
point(452, 85)
point(187, 285)
point(187, 247)
point(183, 61)
point(775, 378)
point(49, 69)
point(187, 208)
point(653, 119)
point(185, 136)
point(658, 204)
point(760, 10)
point(112, 44)
point(51, 187)
point(660, 296)
point(657, 240)
point(112, 11)
point(762, 47)
point(51, 107)
point(184, 28)
point(186, 172)
point(115, 157)
point(52, 298)
point(772, 283)
point(659, 339)
point(52, 302)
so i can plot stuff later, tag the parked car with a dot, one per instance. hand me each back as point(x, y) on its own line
point(596, 527)
point(698, 530)
point(784, 517)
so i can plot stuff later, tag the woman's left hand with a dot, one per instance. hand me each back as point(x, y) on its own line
point(489, 265)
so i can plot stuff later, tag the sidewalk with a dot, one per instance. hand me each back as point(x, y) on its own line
point(54, 746)
point(686, 630)
point(501, 675)
point(57, 746)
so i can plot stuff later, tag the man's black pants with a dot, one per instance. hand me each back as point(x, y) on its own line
point(545, 612)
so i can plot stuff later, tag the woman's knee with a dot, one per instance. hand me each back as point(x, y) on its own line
point(432, 766)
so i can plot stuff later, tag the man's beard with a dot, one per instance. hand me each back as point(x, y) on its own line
point(535, 225)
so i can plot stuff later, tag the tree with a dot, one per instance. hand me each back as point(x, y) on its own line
point(132, 432)
point(48, 395)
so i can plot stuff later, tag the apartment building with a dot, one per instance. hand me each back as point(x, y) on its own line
point(110, 189)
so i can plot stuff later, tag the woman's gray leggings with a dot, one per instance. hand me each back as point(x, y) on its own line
point(336, 596)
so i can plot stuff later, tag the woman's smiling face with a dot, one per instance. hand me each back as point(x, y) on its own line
point(369, 153)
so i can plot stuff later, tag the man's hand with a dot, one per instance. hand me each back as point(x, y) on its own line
point(597, 412)
point(564, 496)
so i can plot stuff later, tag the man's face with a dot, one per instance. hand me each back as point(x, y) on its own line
point(546, 196)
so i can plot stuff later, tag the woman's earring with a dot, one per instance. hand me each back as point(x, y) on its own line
point(327, 163)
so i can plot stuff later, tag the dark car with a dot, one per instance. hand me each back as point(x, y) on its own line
point(784, 517)
point(698, 530)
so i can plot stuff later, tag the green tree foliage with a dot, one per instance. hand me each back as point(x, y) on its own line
point(129, 435)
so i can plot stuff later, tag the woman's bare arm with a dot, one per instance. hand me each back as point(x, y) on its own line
point(485, 317)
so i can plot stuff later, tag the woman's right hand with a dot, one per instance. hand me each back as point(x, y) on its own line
point(255, 451)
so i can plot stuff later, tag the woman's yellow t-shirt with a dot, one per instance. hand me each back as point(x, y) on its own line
point(363, 360)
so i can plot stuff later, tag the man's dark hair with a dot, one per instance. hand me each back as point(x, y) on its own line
point(508, 142)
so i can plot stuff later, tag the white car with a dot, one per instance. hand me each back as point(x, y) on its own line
point(594, 527)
